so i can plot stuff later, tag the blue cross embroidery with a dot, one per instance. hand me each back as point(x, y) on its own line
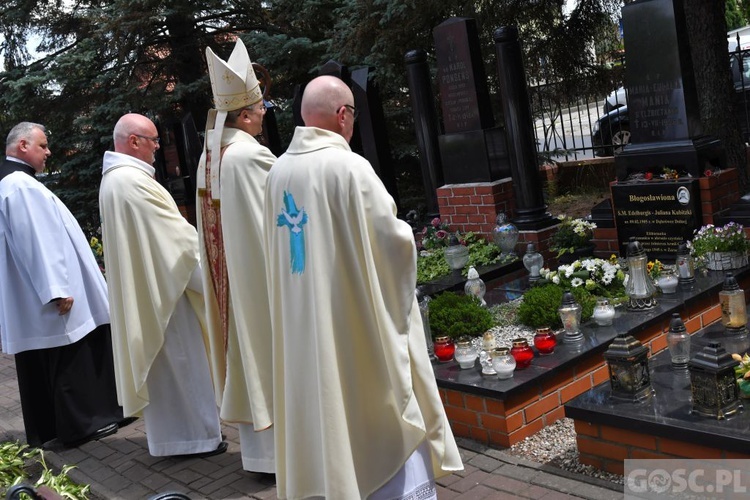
point(294, 219)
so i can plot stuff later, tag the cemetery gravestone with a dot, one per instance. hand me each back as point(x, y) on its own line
point(665, 122)
point(471, 149)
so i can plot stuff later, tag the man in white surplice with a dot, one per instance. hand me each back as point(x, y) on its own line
point(231, 179)
point(155, 292)
point(357, 411)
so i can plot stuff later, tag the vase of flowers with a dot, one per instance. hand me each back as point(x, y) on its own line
point(572, 241)
point(721, 248)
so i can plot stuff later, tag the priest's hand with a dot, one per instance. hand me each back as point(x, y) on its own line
point(63, 305)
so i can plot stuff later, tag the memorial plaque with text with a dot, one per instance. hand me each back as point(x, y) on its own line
point(464, 98)
point(659, 214)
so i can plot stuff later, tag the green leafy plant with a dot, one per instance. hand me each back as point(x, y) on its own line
point(432, 265)
point(453, 315)
point(540, 304)
point(16, 459)
point(728, 238)
point(572, 234)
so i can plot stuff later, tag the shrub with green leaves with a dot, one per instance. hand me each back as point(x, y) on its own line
point(455, 314)
point(540, 304)
point(16, 458)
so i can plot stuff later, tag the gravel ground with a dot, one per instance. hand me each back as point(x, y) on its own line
point(555, 445)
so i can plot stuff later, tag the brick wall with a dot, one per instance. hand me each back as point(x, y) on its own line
point(474, 206)
point(503, 423)
point(607, 447)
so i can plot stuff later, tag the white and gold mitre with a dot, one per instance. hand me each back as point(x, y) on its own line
point(233, 82)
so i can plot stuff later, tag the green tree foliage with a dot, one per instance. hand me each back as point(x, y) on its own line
point(105, 58)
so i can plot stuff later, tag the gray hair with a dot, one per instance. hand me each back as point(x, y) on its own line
point(22, 131)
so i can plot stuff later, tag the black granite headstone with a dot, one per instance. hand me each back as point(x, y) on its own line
point(665, 124)
point(369, 138)
point(464, 98)
point(471, 148)
point(659, 214)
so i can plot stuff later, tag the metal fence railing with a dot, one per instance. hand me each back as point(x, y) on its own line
point(595, 123)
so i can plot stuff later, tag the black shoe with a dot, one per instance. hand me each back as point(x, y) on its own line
point(105, 431)
point(204, 454)
point(126, 422)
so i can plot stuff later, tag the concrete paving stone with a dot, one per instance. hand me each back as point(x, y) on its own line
point(188, 476)
point(468, 482)
point(533, 491)
point(178, 465)
point(90, 465)
point(219, 483)
point(517, 472)
point(446, 494)
point(155, 481)
point(448, 480)
point(249, 484)
point(136, 472)
point(199, 483)
point(208, 468)
point(267, 494)
point(468, 469)
point(116, 482)
point(136, 492)
point(478, 492)
point(556, 495)
point(98, 450)
point(571, 484)
point(485, 463)
point(505, 483)
point(122, 445)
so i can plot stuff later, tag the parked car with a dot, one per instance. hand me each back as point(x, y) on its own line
point(611, 132)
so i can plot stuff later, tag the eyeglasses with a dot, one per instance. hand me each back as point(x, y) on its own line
point(260, 107)
point(355, 112)
point(155, 139)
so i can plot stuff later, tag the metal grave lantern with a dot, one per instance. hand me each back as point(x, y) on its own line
point(627, 361)
point(713, 384)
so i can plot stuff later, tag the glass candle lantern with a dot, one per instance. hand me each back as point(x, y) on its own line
point(424, 311)
point(503, 363)
point(685, 265)
point(522, 353)
point(678, 342)
point(533, 262)
point(640, 289)
point(545, 341)
point(733, 308)
point(456, 255)
point(488, 345)
point(667, 281)
point(475, 286)
point(444, 348)
point(604, 312)
point(505, 235)
point(570, 314)
point(466, 354)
